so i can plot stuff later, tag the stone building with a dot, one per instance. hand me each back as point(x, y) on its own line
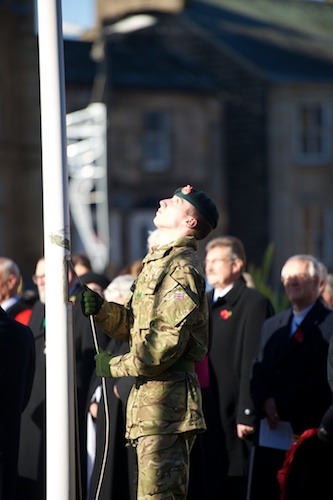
point(233, 96)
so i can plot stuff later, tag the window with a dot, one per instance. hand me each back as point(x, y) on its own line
point(313, 133)
point(157, 141)
point(313, 228)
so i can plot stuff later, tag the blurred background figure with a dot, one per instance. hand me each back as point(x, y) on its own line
point(11, 289)
point(323, 272)
point(81, 263)
point(84, 360)
point(327, 292)
point(289, 377)
point(237, 313)
point(32, 451)
point(17, 364)
point(119, 288)
point(95, 281)
point(248, 280)
point(118, 473)
point(133, 268)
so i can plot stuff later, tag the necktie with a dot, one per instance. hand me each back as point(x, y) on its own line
point(294, 326)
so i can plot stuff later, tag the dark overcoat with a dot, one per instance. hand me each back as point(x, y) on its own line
point(32, 451)
point(234, 336)
point(295, 372)
point(17, 364)
point(292, 370)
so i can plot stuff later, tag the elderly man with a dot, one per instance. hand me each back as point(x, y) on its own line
point(289, 379)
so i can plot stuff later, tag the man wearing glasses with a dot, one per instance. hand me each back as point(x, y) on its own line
point(237, 313)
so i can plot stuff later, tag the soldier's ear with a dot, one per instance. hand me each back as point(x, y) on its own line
point(191, 222)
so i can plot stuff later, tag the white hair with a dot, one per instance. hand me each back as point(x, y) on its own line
point(119, 287)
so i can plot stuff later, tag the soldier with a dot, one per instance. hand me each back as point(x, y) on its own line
point(165, 321)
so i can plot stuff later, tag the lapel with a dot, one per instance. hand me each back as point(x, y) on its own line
point(313, 318)
point(305, 328)
point(280, 335)
point(230, 299)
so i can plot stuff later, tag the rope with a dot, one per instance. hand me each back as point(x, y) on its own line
point(107, 418)
point(104, 393)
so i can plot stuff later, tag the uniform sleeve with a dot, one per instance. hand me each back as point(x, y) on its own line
point(171, 324)
point(115, 320)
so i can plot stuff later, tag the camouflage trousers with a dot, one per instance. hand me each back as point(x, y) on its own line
point(163, 466)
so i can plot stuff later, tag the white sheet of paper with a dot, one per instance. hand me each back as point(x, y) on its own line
point(280, 438)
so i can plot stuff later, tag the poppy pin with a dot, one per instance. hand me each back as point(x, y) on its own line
point(225, 314)
point(299, 335)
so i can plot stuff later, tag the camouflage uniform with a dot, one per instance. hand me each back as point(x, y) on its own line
point(166, 323)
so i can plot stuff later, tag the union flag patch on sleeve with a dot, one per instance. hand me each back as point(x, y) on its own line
point(179, 296)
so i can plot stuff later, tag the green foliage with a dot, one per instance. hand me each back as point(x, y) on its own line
point(261, 275)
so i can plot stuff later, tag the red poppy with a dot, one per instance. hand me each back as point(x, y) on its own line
point(299, 335)
point(225, 314)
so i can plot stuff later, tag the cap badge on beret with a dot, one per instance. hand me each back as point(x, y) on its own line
point(187, 189)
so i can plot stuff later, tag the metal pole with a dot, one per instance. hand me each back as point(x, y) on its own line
point(59, 349)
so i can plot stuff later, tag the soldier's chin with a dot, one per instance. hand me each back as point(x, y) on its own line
point(155, 220)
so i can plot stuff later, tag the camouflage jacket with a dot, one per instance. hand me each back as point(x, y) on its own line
point(166, 323)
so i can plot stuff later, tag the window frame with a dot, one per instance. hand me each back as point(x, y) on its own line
point(312, 132)
point(156, 141)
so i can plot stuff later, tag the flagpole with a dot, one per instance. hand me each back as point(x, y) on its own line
point(60, 429)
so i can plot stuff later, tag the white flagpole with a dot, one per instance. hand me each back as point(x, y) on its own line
point(60, 445)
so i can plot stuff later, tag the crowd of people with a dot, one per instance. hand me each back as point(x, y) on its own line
point(199, 389)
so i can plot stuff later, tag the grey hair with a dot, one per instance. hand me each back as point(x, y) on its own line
point(234, 244)
point(8, 266)
point(314, 268)
point(119, 287)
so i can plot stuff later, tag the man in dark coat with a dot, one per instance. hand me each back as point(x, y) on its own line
point(237, 313)
point(289, 379)
point(17, 352)
point(32, 450)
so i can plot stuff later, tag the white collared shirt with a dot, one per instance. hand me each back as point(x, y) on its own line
point(6, 304)
point(218, 293)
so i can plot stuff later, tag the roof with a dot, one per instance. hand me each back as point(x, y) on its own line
point(144, 59)
point(280, 40)
point(140, 59)
point(276, 40)
point(308, 16)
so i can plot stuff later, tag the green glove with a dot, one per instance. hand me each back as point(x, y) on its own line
point(91, 302)
point(102, 360)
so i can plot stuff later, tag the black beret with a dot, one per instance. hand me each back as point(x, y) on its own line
point(92, 277)
point(202, 203)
